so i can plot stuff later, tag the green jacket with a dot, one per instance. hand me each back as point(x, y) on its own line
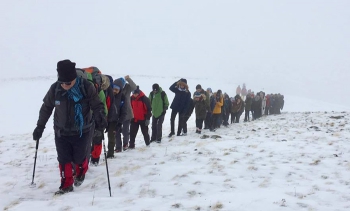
point(158, 105)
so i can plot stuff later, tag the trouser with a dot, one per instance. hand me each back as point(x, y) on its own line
point(111, 137)
point(72, 150)
point(226, 117)
point(125, 130)
point(246, 115)
point(216, 121)
point(172, 121)
point(199, 124)
point(134, 128)
point(182, 126)
point(157, 125)
point(207, 121)
point(97, 145)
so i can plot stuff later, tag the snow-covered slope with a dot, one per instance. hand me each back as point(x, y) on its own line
point(296, 160)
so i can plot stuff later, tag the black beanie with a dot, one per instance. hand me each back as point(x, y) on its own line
point(137, 90)
point(155, 87)
point(66, 71)
point(183, 80)
point(198, 86)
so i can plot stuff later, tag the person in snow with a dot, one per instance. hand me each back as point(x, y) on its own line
point(73, 99)
point(159, 104)
point(200, 105)
point(180, 105)
point(226, 109)
point(244, 92)
point(126, 89)
point(238, 90)
point(118, 115)
point(237, 109)
point(141, 106)
point(218, 103)
point(208, 121)
point(248, 107)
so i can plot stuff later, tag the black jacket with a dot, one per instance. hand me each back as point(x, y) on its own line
point(64, 123)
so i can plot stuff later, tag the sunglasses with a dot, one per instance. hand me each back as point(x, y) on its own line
point(67, 83)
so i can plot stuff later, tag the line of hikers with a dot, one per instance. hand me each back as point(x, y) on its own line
point(88, 104)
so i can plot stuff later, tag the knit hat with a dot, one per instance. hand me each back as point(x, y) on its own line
point(198, 86)
point(183, 80)
point(105, 82)
point(155, 87)
point(209, 89)
point(197, 94)
point(66, 71)
point(137, 90)
point(119, 83)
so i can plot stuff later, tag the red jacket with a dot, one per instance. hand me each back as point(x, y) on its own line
point(141, 107)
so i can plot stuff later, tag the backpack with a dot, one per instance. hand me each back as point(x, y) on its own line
point(95, 75)
point(162, 94)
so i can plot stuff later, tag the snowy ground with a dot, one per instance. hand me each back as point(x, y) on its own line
point(293, 161)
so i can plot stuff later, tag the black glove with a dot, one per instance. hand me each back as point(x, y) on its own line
point(102, 124)
point(38, 132)
point(119, 127)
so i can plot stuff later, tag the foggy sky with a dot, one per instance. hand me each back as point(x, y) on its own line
point(293, 47)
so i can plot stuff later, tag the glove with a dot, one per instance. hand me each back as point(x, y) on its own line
point(147, 122)
point(38, 132)
point(119, 127)
point(102, 124)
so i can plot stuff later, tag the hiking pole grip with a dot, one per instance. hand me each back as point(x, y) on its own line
point(36, 153)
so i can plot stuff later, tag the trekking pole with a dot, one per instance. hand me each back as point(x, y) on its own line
point(36, 153)
point(109, 184)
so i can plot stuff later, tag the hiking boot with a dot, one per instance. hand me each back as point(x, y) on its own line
point(62, 191)
point(125, 147)
point(159, 141)
point(171, 134)
point(110, 156)
point(95, 161)
point(79, 180)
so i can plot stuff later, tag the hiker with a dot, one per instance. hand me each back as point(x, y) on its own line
point(218, 103)
point(126, 89)
point(117, 115)
point(159, 104)
point(180, 105)
point(200, 104)
point(141, 107)
point(73, 99)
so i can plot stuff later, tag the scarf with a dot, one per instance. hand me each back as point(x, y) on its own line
point(75, 94)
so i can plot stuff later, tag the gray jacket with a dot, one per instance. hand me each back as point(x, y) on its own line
point(126, 91)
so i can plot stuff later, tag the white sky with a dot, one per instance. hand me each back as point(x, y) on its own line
point(292, 47)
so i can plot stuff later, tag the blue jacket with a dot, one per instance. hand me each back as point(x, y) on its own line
point(182, 99)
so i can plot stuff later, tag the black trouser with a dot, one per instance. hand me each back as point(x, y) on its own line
point(216, 121)
point(73, 149)
point(226, 117)
point(246, 115)
point(134, 128)
point(199, 123)
point(207, 121)
point(125, 130)
point(172, 121)
point(182, 124)
point(157, 125)
point(111, 137)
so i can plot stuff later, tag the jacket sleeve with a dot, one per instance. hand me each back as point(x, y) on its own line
point(47, 106)
point(132, 84)
point(96, 105)
point(173, 87)
point(221, 103)
point(147, 103)
point(102, 97)
point(122, 112)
